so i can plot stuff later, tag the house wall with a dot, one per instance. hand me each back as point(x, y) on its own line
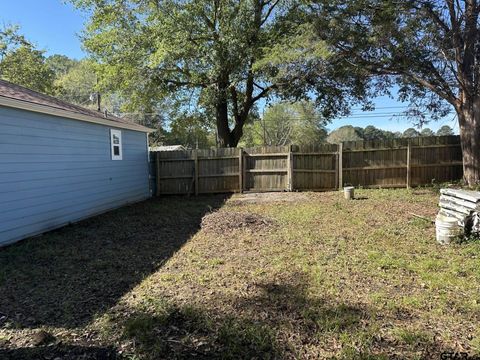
point(54, 171)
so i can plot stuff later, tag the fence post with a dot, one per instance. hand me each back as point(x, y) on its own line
point(409, 166)
point(240, 169)
point(157, 172)
point(195, 171)
point(244, 170)
point(336, 186)
point(340, 166)
point(290, 169)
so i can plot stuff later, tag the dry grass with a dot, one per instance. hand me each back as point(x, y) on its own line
point(332, 279)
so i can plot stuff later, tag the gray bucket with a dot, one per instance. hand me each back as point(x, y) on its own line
point(447, 229)
point(348, 192)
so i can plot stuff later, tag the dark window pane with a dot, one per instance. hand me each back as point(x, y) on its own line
point(116, 150)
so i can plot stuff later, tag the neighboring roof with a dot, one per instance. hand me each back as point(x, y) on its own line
point(167, 148)
point(16, 96)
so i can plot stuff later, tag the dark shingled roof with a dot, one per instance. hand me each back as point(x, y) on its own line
point(17, 92)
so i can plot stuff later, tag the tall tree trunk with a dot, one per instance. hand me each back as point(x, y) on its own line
point(223, 129)
point(237, 134)
point(221, 109)
point(227, 137)
point(469, 121)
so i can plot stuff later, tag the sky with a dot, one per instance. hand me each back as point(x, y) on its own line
point(55, 26)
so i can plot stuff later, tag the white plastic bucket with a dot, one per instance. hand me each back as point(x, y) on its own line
point(447, 229)
point(348, 192)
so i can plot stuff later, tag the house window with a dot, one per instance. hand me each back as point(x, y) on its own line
point(116, 144)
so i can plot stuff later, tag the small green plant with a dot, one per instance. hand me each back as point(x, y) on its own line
point(140, 327)
point(470, 238)
point(475, 343)
point(246, 340)
point(411, 337)
point(337, 319)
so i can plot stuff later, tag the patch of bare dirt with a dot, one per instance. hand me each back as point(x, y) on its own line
point(222, 222)
point(268, 197)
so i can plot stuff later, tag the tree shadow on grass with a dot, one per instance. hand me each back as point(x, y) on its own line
point(279, 320)
point(263, 325)
point(64, 352)
point(66, 277)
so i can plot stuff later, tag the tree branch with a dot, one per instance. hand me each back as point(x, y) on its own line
point(234, 95)
point(379, 69)
point(269, 11)
point(436, 18)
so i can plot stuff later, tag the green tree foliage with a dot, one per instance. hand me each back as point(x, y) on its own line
point(76, 82)
point(201, 50)
point(410, 133)
point(10, 39)
point(21, 63)
point(445, 130)
point(372, 133)
point(344, 133)
point(287, 123)
point(26, 66)
point(218, 57)
point(427, 132)
point(191, 132)
point(429, 48)
point(60, 64)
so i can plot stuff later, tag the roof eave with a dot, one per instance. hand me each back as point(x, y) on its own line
point(24, 105)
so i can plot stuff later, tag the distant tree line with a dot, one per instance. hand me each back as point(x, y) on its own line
point(351, 133)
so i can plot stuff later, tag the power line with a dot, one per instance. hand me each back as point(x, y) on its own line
point(383, 107)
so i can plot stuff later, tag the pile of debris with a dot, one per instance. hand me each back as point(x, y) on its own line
point(223, 222)
point(463, 206)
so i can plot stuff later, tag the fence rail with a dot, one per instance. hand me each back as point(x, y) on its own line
point(393, 163)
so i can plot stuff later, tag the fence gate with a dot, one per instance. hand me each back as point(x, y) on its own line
point(315, 168)
point(266, 168)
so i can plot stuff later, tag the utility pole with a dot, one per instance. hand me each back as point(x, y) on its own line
point(99, 99)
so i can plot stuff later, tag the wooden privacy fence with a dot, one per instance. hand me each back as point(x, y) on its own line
point(391, 163)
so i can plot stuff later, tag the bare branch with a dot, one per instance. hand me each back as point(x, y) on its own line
point(269, 11)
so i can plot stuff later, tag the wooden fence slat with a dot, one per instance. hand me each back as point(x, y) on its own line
point(453, 163)
point(312, 153)
point(240, 170)
point(269, 155)
point(375, 167)
point(244, 171)
point(409, 165)
point(290, 170)
point(174, 160)
point(340, 166)
point(320, 171)
point(258, 171)
point(195, 157)
point(157, 179)
point(337, 185)
point(218, 175)
point(372, 150)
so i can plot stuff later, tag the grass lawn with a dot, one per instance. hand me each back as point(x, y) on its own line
point(287, 275)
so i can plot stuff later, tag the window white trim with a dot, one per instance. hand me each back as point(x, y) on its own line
point(116, 144)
